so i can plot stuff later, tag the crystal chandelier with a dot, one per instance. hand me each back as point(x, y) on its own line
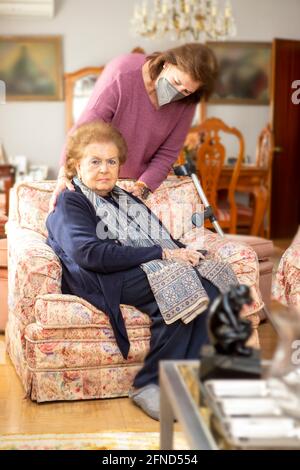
point(198, 20)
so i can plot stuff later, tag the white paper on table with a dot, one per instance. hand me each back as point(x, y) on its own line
point(261, 428)
point(238, 388)
point(249, 407)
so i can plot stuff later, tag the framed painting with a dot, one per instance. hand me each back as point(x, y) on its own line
point(31, 67)
point(244, 72)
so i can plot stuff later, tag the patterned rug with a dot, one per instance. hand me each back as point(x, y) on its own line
point(95, 441)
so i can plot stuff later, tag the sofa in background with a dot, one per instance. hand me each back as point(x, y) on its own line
point(286, 286)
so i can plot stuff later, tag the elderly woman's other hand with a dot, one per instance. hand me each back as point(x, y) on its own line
point(62, 183)
point(184, 255)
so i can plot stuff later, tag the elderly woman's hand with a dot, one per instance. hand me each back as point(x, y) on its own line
point(62, 183)
point(184, 255)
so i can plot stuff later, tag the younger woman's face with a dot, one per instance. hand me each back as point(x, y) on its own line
point(99, 167)
point(179, 79)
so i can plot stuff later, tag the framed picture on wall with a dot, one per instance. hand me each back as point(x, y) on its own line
point(244, 72)
point(31, 67)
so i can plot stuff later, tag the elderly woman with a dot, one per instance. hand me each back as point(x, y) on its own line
point(115, 251)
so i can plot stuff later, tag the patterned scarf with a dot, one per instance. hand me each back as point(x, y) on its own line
point(176, 286)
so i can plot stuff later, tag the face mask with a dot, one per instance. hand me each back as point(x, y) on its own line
point(166, 93)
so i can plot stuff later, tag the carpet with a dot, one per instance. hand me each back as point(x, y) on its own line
point(95, 441)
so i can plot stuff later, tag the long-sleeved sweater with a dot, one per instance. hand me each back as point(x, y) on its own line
point(154, 136)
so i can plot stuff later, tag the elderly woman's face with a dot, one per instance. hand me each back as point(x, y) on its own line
point(99, 167)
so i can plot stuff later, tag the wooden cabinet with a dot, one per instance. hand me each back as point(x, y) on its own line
point(7, 180)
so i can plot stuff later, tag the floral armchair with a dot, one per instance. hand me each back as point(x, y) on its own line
point(286, 286)
point(62, 347)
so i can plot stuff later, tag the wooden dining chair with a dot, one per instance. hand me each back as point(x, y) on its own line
point(210, 159)
point(252, 217)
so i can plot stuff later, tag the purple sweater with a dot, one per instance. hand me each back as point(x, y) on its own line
point(154, 136)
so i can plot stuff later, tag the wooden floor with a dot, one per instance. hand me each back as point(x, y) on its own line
point(20, 415)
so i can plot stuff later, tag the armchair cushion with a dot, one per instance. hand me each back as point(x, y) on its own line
point(174, 202)
point(32, 205)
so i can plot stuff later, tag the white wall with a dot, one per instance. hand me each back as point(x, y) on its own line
point(94, 31)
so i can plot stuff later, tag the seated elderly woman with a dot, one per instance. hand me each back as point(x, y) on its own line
point(114, 251)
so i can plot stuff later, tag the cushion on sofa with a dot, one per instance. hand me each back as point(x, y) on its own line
point(174, 202)
point(286, 285)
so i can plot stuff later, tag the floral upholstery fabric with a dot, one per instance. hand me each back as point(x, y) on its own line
point(62, 347)
point(83, 384)
point(286, 285)
point(173, 202)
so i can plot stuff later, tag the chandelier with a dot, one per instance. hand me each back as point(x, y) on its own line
point(197, 20)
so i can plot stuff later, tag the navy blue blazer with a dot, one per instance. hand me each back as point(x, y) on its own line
point(92, 268)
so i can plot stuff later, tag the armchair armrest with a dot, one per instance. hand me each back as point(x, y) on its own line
point(33, 269)
point(69, 311)
point(241, 257)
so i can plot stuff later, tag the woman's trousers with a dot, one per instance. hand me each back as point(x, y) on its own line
point(174, 341)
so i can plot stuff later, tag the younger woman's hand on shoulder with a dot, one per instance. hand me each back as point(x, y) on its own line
point(140, 190)
point(62, 183)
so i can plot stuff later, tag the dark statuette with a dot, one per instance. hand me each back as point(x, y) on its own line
point(227, 356)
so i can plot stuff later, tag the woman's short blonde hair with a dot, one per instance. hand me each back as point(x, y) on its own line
point(93, 132)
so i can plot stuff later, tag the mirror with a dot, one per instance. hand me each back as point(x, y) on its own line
point(81, 93)
point(78, 89)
